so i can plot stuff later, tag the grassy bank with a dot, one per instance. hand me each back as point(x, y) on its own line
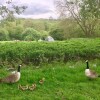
point(62, 82)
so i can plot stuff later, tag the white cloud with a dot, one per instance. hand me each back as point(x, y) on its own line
point(36, 8)
point(37, 16)
point(40, 8)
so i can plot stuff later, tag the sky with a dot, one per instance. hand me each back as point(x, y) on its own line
point(36, 8)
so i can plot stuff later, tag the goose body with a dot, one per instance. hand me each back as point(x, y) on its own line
point(23, 87)
point(13, 77)
point(32, 87)
point(42, 81)
point(90, 73)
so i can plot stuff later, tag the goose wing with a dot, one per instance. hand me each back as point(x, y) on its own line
point(93, 74)
point(10, 79)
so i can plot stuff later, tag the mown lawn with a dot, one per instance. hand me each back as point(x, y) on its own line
point(62, 82)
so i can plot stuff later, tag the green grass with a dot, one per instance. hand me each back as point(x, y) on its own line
point(62, 82)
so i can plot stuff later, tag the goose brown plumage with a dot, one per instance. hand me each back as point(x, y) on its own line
point(13, 77)
point(42, 80)
point(23, 87)
point(32, 87)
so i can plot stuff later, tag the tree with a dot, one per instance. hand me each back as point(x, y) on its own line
point(70, 29)
point(30, 34)
point(46, 25)
point(57, 34)
point(3, 35)
point(8, 10)
point(16, 33)
point(44, 34)
point(85, 12)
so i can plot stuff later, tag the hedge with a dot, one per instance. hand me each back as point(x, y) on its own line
point(46, 52)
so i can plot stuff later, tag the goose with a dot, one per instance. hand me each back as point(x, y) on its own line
point(32, 87)
point(23, 87)
point(90, 73)
point(42, 81)
point(13, 77)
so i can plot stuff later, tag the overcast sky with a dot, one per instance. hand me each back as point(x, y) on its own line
point(36, 8)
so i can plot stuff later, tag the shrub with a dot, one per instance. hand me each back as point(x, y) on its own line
point(16, 33)
point(30, 34)
point(41, 52)
point(57, 34)
point(44, 34)
point(3, 35)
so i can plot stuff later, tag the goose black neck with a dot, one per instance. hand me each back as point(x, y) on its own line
point(87, 65)
point(18, 68)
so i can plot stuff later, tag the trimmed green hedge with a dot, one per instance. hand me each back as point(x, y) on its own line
point(46, 52)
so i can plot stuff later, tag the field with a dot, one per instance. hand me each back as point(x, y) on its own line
point(57, 69)
point(61, 63)
point(62, 82)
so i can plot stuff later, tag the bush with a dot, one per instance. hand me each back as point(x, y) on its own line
point(41, 52)
point(44, 34)
point(30, 34)
point(3, 35)
point(57, 34)
point(16, 33)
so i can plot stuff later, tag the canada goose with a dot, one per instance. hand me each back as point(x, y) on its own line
point(13, 77)
point(89, 73)
point(23, 87)
point(42, 81)
point(32, 87)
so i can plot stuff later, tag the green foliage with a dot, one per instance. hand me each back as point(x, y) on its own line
point(40, 24)
point(57, 34)
point(10, 27)
point(47, 52)
point(44, 34)
point(46, 25)
point(16, 28)
point(16, 33)
point(60, 29)
point(36, 24)
point(3, 35)
point(70, 29)
point(90, 9)
point(90, 14)
point(85, 12)
point(28, 23)
point(30, 34)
